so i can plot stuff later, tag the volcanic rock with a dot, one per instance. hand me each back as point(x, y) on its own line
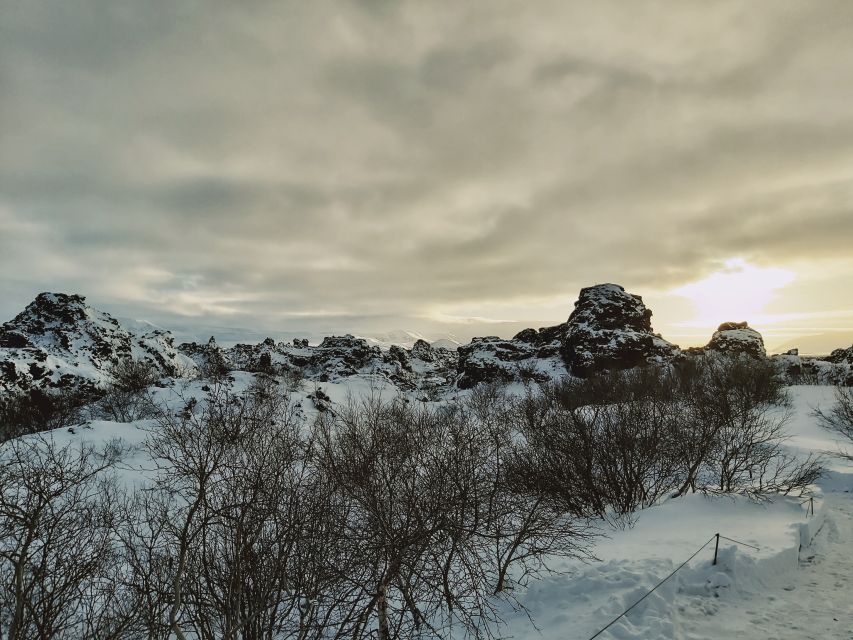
point(737, 338)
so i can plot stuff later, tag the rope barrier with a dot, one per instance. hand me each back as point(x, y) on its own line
point(743, 544)
point(612, 622)
point(716, 537)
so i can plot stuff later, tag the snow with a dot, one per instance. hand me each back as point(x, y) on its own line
point(579, 603)
point(774, 591)
point(806, 433)
point(704, 601)
point(811, 602)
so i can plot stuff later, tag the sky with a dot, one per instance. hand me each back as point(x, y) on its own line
point(440, 167)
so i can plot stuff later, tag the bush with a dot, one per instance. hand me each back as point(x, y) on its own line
point(56, 545)
point(604, 446)
point(839, 418)
point(435, 524)
point(245, 519)
point(736, 410)
point(37, 410)
point(386, 519)
point(293, 379)
point(615, 443)
point(126, 398)
point(133, 375)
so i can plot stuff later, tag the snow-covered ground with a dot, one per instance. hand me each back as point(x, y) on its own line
point(809, 589)
point(776, 591)
point(813, 601)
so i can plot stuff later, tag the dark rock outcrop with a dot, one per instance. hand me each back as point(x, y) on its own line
point(423, 350)
point(494, 359)
point(610, 329)
point(337, 357)
point(59, 341)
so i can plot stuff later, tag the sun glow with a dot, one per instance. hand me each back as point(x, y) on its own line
point(740, 291)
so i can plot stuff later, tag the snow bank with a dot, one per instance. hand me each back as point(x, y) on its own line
point(585, 598)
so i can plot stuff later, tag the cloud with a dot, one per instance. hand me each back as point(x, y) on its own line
point(288, 161)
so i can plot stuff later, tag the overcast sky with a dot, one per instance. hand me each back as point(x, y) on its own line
point(430, 165)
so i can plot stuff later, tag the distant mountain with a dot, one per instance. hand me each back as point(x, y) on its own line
point(447, 343)
point(229, 336)
point(407, 339)
point(399, 337)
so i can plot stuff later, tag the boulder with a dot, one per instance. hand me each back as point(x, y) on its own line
point(423, 350)
point(737, 338)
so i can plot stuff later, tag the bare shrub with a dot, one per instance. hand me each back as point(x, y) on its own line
point(293, 378)
point(618, 442)
point(147, 565)
point(523, 525)
point(839, 418)
point(741, 408)
point(126, 398)
point(56, 547)
point(434, 522)
point(37, 410)
point(604, 445)
point(133, 375)
point(245, 519)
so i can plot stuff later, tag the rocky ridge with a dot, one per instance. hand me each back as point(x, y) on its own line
point(59, 341)
point(423, 367)
point(608, 329)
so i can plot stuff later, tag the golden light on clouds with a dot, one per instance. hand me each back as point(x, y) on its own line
point(739, 291)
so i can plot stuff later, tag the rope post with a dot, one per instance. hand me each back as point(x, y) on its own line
point(716, 547)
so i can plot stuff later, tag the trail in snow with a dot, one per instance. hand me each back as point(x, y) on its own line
point(816, 601)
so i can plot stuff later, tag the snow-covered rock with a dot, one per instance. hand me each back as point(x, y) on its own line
point(737, 338)
point(423, 367)
point(611, 329)
point(59, 341)
point(424, 351)
point(837, 368)
point(494, 359)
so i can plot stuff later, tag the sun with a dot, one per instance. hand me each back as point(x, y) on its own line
point(739, 291)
